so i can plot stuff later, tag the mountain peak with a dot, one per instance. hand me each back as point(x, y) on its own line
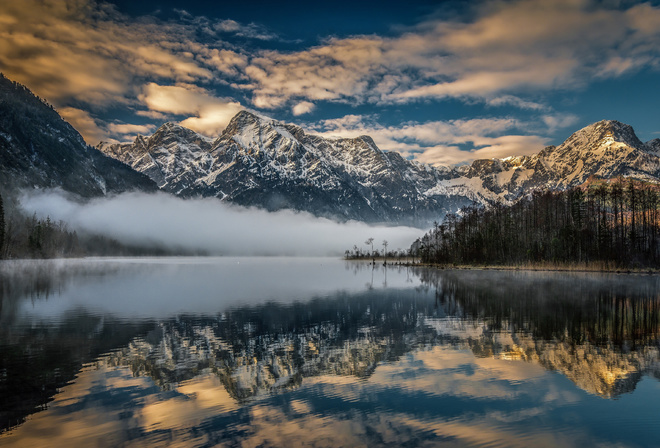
point(604, 133)
point(245, 118)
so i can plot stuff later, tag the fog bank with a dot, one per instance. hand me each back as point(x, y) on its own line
point(211, 225)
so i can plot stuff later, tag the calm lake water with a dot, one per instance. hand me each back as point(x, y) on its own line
point(322, 352)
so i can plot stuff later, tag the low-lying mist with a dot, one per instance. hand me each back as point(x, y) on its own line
point(209, 225)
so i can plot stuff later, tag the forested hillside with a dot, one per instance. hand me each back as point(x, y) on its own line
point(615, 224)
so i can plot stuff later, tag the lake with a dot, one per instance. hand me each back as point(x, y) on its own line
point(324, 352)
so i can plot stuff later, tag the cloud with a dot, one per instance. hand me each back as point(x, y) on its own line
point(503, 47)
point(304, 107)
point(496, 147)
point(559, 121)
point(444, 142)
point(83, 122)
point(210, 114)
point(84, 54)
point(85, 51)
point(209, 224)
point(123, 128)
point(251, 30)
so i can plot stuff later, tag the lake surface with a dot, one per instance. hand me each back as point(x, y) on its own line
point(322, 352)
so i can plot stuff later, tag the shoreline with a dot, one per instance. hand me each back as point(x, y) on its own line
point(548, 267)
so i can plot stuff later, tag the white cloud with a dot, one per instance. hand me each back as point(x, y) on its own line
point(123, 128)
point(515, 46)
point(559, 121)
point(304, 107)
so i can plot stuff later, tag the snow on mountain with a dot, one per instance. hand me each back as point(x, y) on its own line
point(258, 161)
point(265, 163)
point(168, 151)
point(654, 146)
point(605, 149)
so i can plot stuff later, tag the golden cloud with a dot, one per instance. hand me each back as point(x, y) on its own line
point(209, 113)
point(83, 122)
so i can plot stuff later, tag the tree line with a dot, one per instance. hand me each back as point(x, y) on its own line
point(358, 253)
point(615, 224)
point(31, 237)
point(24, 236)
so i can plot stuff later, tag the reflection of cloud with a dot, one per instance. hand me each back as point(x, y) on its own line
point(200, 410)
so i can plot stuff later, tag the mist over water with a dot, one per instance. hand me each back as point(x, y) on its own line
point(208, 224)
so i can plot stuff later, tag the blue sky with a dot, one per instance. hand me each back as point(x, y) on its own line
point(440, 82)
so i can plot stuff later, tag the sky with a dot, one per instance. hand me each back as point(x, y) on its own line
point(442, 82)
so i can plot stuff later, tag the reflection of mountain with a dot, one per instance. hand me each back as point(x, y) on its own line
point(603, 333)
point(604, 343)
point(256, 351)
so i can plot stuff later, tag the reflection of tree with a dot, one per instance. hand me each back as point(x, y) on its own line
point(603, 333)
point(621, 310)
point(600, 332)
point(603, 341)
point(39, 360)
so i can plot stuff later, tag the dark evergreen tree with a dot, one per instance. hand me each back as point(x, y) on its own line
point(614, 225)
point(2, 228)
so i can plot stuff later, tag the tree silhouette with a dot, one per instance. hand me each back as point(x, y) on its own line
point(370, 241)
point(615, 224)
point(2, 227)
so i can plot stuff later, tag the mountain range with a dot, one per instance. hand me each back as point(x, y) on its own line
point(261, 162)
point(257, 161)
point(273, 165)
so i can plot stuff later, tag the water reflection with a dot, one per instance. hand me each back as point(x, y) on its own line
point(601, 331)
point(357, 355)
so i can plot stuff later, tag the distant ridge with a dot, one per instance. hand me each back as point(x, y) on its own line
point(261, 162)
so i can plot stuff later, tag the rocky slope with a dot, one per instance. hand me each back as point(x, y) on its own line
point(605, 149)
point(261, 162)
point(39, 149)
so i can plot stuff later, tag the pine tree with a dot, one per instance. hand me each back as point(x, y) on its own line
point(2, 227)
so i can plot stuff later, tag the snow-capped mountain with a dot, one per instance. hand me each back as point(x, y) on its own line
point(261, 162)
point(39, 149)
point(605, 149)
